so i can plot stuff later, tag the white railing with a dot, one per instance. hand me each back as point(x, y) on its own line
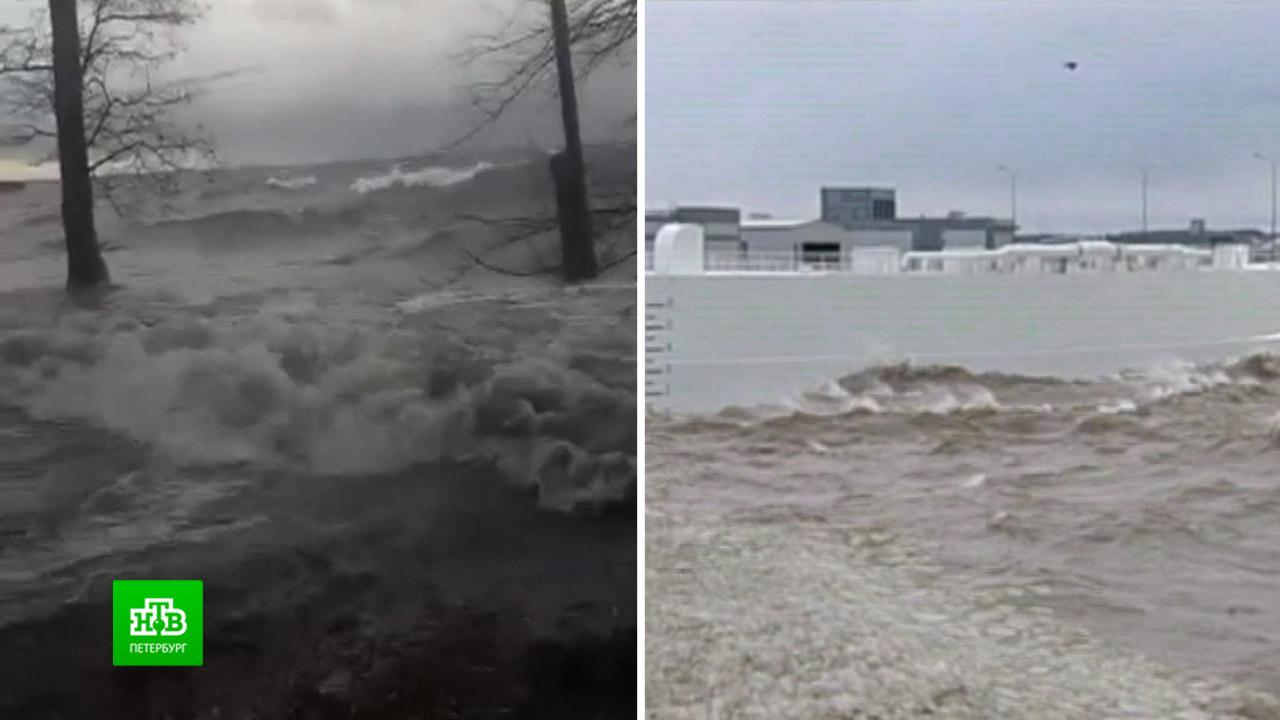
point(1010, 259)
point(775, 261)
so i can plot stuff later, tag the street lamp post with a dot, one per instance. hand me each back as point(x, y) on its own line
point(1144, 205)
point(1271, 161)
point(1013, 195)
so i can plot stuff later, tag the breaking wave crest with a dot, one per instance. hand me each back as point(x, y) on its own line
point(298, 394)
point(434, 177)
point(905, 374)
point(271, 328)
point(355, 206)
point(289, 182)
point(906, 389)
point(247, 222)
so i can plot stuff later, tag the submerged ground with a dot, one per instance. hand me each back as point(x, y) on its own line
point(407, 480)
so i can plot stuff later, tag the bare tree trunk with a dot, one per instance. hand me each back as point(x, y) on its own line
point(85, 266)
point(569, 168)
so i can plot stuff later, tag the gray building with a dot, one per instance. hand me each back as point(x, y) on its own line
point(848, 206)
point(721, 226)
point(1197, 233)
point(852, 217)
point(863, 208)
point(818, 241)
point(958, 231)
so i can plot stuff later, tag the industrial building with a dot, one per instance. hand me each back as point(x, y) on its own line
point(816, 241)
point(851, 217)
point(722, 226)
point(848, 206)
point(1197, 233)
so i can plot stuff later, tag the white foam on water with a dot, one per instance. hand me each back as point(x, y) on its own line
point(236, 338)
point(435, 177)
point(1118, 407)
point(944, 400)
point(1183, 378)
point(877, 396)
point(292, 183)
point(818, 448)
point(291, 390)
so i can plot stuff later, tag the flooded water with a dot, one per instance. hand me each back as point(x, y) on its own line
point(1140, 506)
point(407, 482)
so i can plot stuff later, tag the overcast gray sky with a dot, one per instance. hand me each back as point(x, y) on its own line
point(757, 103)
point(343, 79)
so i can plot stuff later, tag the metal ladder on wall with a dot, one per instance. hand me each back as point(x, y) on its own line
point(658, 320)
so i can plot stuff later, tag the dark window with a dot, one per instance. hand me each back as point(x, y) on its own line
point(883, 210)
point(820, 253)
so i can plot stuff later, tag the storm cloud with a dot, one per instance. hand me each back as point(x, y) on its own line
point(345, 79)
point(307, 12)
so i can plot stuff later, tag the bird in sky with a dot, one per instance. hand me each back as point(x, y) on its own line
point(1071, 64)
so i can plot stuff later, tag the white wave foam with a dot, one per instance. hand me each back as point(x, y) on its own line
point(292, 183)
point(818, 448)
point(1184, 378)
point(426, 177)
point(943, 400)
point(1123, 406)
point(290, 391)
point(830, 398)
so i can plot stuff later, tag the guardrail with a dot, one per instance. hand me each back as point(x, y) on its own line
point(775, 262)
point(1044, 259)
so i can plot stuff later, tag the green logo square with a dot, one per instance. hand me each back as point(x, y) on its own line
point(157, 622)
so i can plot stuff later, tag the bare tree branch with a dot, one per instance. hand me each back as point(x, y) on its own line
point(519, 228)
point(133, 135)
point(522, 53)
point(552, 270)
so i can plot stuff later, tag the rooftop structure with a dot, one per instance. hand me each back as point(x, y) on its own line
point(1087, 256)
point(848, 206)
point(721, 225)
point(1196, 233)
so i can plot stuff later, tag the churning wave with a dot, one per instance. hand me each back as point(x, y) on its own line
point(329, 361)
point(363, 201)
point(296, 393)
point(378, 455)
point(907, 389)
point(1141, 505)
point(432, 177)
point(240, 222)
point(292, 183)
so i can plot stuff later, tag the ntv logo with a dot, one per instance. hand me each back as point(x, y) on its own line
point(147, 627)
point(157, 616)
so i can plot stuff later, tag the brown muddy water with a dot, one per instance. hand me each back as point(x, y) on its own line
point(1142, 507)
